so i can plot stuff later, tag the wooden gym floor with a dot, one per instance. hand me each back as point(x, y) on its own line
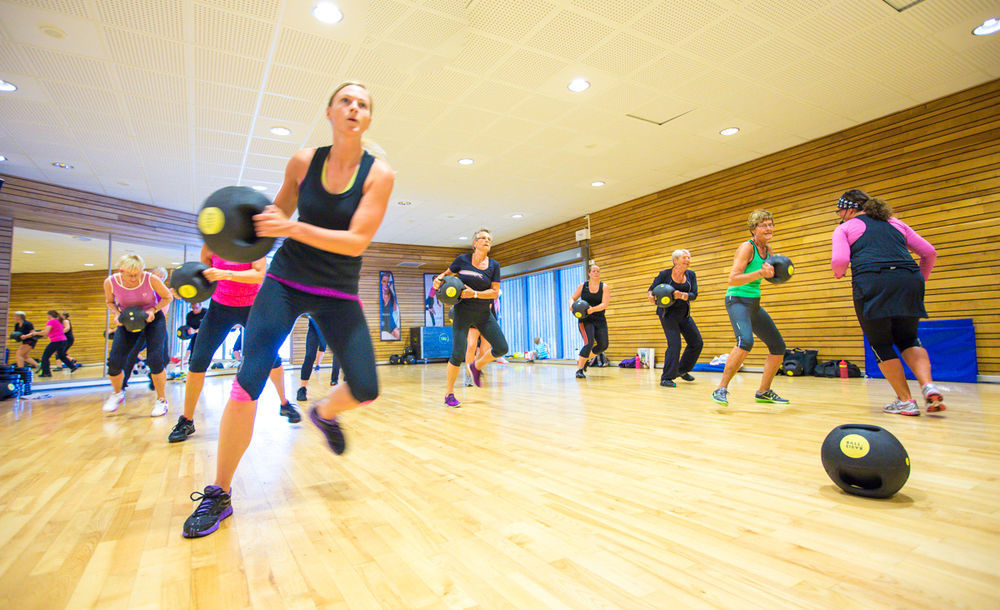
point(542, 491)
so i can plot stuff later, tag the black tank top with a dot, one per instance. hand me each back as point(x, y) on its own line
point(594, 299)
point(881, 246)
point(300, 263)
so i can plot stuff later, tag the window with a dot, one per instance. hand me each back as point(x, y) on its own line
point(537, 305)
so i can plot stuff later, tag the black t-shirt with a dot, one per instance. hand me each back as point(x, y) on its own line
point(25, 328)
point(680, 307)
point(194, 319)
point(476, 279)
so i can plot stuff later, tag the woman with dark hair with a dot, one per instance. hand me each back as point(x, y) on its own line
point(53, 329)
point(236, 286)
point(745, 313)
point(388, 308)
point(68, 331)
point(888, 289)
point(594, 326)
point(676, 320)
point(481, 276)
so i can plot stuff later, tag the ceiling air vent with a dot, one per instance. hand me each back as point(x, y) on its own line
point(654, 121)
point(409, 264)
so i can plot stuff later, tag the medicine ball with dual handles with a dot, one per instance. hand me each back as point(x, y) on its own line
point(663, 295)
point(226, 224)
point(783, 268)
point(865, 460)
point(579, 308)
point(190, 283)
point(133, 319)
point(450, 291)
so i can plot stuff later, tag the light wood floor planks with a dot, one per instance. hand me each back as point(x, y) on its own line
point(542, 491)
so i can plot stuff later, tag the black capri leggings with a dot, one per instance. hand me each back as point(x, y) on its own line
point(485, 322)
point(884, 333)
point(316, 343)
point(54, 347)
point(748, 319)
point(674, 364)
point(218, 321)
point(595, 336)
point(341, 322)
point(155, 334)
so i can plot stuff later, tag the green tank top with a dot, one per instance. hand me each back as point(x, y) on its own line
point(750, 290)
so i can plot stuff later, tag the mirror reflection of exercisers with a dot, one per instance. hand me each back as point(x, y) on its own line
point(388, 307)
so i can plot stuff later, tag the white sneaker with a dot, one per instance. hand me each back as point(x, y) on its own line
point(160, 408)
point(933, 400)
point(902, 407)
point(114, 401)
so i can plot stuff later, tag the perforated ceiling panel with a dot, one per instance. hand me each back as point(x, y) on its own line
point(180, 94)
point(569, 35)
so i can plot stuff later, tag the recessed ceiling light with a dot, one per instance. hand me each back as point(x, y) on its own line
point(404, 203)
point(517, 215)
point(466, 161)
point(175, 262)
point(463, 238)
point(3, 157)
point(28, 251)
point(990, 26)
point(327, 12)
point(61, 165)
point(7, 87)
point(730, 131)
point(578, 84)
point(281, 131)
point(88, 264)
point(259, 187)
point(597, 183)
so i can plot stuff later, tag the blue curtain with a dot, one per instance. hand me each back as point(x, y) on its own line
point(536, 305)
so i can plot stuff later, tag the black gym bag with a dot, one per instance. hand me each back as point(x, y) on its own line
point(799, 362)
point(831, 368)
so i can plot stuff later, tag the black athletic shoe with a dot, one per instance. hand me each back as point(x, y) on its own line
point(288, 410)
point(687, 377)
point(579, 374)
point(668, 383)
point(182, 430)
point(215, 506)
point(151, 386)
point(301, 394)
point(331, 429)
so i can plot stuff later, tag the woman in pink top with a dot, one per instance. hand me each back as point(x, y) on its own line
point(133, 286)
point(238, 284)
point(53, 329)
point(888, 291)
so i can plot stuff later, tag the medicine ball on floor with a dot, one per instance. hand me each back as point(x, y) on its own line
point(190, 282)
point(865, 460)
point(226, 224)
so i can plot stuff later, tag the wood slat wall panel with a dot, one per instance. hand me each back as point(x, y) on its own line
point(81, 294)
point(938, 165)
point(6, 239)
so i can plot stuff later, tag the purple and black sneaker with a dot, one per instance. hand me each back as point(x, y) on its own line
point(215, 506)
point(477, 375)
point(451, 401)
point(331, 429)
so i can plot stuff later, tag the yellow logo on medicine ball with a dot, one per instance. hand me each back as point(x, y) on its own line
point(664, 300)
point(450, 291)
point(791, 269)
point(211, 221)
point(854, 446)
point(187, 291)
point(578, 314)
